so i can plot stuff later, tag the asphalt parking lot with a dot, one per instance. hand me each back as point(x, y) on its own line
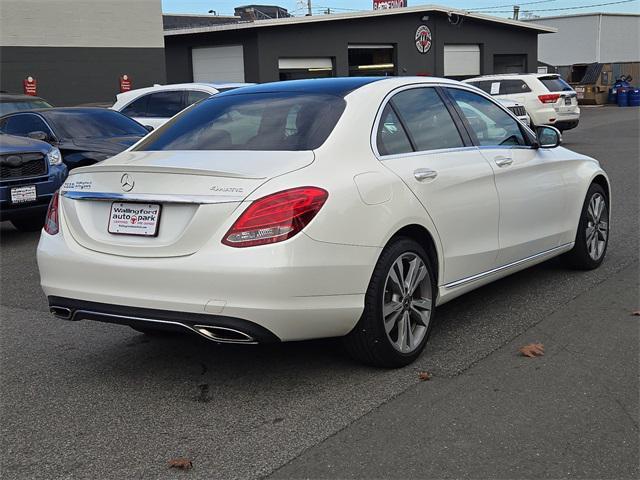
point(88, 400)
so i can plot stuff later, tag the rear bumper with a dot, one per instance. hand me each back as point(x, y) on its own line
point(158, 319)
point(297, 289)
point(549, 116)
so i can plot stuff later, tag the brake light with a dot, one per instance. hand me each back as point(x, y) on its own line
point(549, 98)
point(51, 224)
point(276, 217)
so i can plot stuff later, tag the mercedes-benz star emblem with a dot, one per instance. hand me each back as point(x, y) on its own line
point(127, 182)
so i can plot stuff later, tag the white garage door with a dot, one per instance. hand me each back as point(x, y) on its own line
point(218, 64)
point(461, 60)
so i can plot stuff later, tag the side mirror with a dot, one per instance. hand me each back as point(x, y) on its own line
point(548, 137)
point(149, 128)
point(39, 135)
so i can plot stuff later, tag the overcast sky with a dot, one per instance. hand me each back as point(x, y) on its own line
point(296, 7)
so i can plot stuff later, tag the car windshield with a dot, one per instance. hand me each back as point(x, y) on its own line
point(97, 123)
point(258, 121)
point(556, 84)
point(10, 107)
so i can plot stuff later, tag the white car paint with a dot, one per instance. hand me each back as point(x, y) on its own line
point(556, 113)
point(486, 222)
point(126, 98)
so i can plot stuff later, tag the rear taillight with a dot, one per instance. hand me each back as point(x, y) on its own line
point(51, 225)
point(549, 98)
point(276, 217)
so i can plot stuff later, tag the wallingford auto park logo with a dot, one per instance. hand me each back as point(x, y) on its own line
point(423, 39)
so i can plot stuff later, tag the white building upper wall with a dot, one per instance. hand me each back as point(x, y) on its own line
point(81, 23)
point(603, 38)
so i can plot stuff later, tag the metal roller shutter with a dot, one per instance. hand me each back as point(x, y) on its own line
point(461, 60)
point(218, 64)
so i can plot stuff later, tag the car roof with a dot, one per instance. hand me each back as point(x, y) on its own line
point(339, 86)
point(18, 97)
point(506, 76)
point(210, 87)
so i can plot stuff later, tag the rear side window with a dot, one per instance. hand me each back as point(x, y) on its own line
point(137, 108)
point(194, 96)
point(502, 87)
point(511, 87)
point(427, 119)
point(260, 121)
point(555, 84)
point(164, 104)
point(391, 138)
point(23, 125)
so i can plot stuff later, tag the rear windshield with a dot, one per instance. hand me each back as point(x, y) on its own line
point(555, 84)
point(100, 123)
point(253, 121)
point(10, 107)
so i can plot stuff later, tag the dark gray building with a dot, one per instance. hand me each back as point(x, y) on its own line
point(77, 50)
point(426, 40)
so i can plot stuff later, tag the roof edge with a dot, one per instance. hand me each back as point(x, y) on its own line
point(361, 14)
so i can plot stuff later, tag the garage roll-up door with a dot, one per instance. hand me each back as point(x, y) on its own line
point(461, 60)
point(218, 64)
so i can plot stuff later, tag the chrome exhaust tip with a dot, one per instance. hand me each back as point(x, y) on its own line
point(61, 312)
point(223, 334)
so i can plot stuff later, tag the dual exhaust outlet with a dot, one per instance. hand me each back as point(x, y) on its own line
point(210, 332)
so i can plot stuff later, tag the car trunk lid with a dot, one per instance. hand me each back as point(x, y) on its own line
point(196, 193)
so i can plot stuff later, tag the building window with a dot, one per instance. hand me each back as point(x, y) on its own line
point(372, 60)
point(299, 68)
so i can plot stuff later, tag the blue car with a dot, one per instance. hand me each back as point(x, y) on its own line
point(30, 173)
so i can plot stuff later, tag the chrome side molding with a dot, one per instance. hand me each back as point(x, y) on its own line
point(479, 276)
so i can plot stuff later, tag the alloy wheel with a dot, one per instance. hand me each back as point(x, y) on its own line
point(407, 302)
point(597, 226)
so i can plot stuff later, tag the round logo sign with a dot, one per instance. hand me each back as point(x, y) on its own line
point(423, 39)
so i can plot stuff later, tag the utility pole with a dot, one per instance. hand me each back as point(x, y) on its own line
point(309, 13)
point(516, 12)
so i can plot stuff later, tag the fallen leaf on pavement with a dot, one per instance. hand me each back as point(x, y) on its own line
point(424, 376)
point(636, 313)
point(181, 463)
point(532, 350)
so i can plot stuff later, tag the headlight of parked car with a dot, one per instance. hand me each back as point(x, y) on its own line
point(54, 156)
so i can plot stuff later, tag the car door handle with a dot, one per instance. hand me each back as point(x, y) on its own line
point(502, 161)
point(422, 174)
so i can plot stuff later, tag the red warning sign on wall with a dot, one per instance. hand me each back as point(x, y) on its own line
point(30, 86)
point(125, 83)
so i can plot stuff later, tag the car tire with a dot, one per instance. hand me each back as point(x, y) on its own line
point(32, 223)
point(397, 339)
point(592, 237)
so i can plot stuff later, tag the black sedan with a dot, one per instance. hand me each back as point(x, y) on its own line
point(83, 135)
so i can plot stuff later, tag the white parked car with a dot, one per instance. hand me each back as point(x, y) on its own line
point(154, 106)
point(319, 208)
point(548, 99)
point(517, 109)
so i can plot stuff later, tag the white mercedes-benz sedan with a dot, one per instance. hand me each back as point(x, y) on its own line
point(319, 208)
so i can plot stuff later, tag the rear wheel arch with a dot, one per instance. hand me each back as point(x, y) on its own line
point(423, 237)
point(604, 183)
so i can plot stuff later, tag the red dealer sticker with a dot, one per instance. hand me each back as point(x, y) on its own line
point(423, 39)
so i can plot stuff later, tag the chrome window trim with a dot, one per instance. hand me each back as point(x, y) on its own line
point(479, 276)
point(151, 197)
